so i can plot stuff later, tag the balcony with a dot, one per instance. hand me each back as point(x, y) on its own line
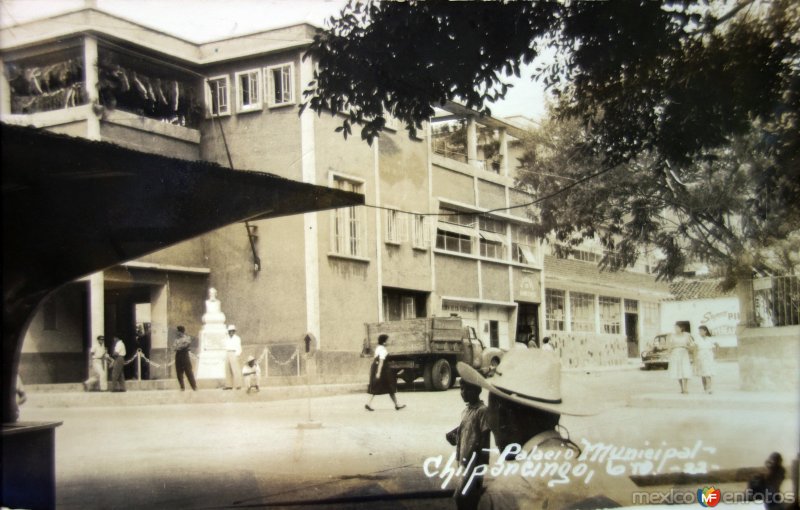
point(136, 104)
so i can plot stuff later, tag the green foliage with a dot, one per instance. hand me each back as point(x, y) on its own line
point(687, 110)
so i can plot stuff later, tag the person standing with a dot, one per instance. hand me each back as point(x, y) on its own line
point(97, 371)
point(704, 365)
point(546, 345)
point(233, 373)
point(680, 365)
point(183, 363)
point(118, 352)
point(251, 373)
point(472, 443)
point(382, 379)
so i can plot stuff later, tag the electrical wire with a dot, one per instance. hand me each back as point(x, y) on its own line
point(215, 119)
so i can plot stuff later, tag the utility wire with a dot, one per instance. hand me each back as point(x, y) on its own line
point(502, 209)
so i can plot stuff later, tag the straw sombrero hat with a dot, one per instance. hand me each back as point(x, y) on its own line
point(530, 377)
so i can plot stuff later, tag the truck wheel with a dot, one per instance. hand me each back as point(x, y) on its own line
point(427, 376)
point(441, 374)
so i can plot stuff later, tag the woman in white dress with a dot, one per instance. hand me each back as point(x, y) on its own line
point(680, 366)
point(704, 357)
point(382, 379)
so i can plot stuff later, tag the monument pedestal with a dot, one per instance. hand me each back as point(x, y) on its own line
point(213, 335)
point(211, 361)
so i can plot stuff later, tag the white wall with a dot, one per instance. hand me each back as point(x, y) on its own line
point(720, 315)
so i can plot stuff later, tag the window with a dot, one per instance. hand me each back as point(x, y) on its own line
point(650, 311)
point(451, 241)
point(554, 309)
point(522, 247)
point(248, 85)
point(610, 315)
point(493, 238)
point(280, 81)
point(448, 215)
point(581, 307)
point(396, 227)
point(218, 96)
point(401, 304)
point(421, 231)
point(492, 225)
point(409, 308)
point(349, 223)
point(492, 249)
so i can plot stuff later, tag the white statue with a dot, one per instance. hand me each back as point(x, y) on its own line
point(213, 335)
point(213, 313)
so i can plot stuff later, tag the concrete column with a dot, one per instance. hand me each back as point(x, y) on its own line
point(504, 166)
point(567, 312)
point(159, 330)
point(97, 307)
point(472, 141)
point(90, 80)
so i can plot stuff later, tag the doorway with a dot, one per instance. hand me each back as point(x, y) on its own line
point(632, 334)
point(494, 333)
point(528, 323)
point(127, 316)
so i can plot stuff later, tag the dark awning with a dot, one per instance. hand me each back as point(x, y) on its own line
point(72, 206)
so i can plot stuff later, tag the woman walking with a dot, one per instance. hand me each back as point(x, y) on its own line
point(704, 358)
point(680, 367)
point(381, 379)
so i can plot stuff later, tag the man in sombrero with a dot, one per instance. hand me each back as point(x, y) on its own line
point(525, 407)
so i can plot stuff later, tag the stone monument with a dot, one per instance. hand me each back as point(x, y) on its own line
point(211, 361)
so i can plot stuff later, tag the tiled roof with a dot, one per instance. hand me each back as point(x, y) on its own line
point(684, 290)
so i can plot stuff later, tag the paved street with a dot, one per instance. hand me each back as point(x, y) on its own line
point(251, 454)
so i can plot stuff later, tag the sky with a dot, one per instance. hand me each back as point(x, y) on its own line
point(204, 20)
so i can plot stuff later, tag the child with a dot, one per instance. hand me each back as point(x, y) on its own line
point(471, 439)
point(252, 374)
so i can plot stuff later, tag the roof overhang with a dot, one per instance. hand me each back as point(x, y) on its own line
point(72, 207)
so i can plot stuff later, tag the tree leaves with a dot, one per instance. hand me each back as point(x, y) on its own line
point(694, 105)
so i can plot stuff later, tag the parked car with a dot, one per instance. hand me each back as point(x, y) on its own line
point(657, 356)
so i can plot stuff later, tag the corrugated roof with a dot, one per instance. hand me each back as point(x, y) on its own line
point(685, 290)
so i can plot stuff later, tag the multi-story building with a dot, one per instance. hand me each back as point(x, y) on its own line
point(597, 317)
point(437, 239)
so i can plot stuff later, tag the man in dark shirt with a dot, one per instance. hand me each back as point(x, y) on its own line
point(183, 364)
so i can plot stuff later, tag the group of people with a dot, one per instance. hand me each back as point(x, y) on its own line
point(98, 375)
point(101, 357)
point(684, 348)
point(250, 372)
point(525, 406)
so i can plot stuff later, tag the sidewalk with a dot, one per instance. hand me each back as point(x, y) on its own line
point(725, 399)
point(162, 392)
